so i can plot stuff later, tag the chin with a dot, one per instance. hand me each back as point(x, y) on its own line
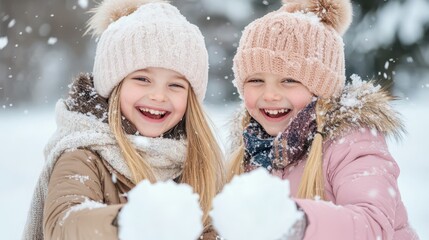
point(275, 132)
point(150, 134)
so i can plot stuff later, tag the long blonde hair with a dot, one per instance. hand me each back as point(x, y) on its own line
point(204, 166)
point(312, 180)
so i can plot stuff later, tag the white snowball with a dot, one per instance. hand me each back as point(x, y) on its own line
point(254, 206)
point(161, 211)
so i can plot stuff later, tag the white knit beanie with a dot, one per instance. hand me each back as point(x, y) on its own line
point(137, 34)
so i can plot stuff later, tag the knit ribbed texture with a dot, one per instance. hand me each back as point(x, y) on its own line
point(155, 35)
point(295, 45)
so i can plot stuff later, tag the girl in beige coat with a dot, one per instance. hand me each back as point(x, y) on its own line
point(138, 116)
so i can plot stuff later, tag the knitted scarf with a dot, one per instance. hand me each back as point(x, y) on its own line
point(263, 150)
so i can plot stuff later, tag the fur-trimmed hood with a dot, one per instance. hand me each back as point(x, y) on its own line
point(361, 105)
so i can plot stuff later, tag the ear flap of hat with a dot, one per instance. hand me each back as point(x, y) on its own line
point(109, 11)
point(335, 13)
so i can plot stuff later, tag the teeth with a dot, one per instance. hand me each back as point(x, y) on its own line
point(151, 111)
point(275, 112)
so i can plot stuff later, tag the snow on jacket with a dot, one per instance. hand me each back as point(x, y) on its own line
point(85, 179)
point(361, 189)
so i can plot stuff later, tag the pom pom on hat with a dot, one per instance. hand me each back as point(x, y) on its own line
point(111, 10)
point(336, 13)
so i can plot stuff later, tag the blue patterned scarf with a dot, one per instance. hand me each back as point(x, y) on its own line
point(263, 150)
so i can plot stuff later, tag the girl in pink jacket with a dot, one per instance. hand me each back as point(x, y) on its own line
point(303, 124)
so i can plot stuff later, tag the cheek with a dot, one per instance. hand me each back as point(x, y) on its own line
point(125, 106)
point(180, 104)
point(127, 99)
point(250, 100)
point(301, 100)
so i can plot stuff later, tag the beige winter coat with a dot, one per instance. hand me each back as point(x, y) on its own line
point(78, 176)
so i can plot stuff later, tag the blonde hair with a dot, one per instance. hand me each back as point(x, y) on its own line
point(312, 180)
point(203, 169)
point(139, 168)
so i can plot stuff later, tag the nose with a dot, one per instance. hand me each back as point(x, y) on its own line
point(271, 93)
point(158, 94)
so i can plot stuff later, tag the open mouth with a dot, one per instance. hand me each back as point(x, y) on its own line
point(275, 113)
point(153, 114)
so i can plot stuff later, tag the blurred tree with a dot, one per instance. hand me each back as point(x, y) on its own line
point(387, 41)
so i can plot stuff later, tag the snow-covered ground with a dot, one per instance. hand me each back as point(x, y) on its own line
point(23, 134)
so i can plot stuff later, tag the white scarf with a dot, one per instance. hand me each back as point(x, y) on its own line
point(165, 156)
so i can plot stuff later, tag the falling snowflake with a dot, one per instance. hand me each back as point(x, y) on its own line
point(83, 3)
point(3, 42)
point(52, 40)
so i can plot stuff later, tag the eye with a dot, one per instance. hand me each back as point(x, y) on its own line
point(289, 80)
point(142, 79)
point(177, 85)
point(255, 80)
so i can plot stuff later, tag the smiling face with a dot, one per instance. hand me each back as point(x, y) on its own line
point(154, 100)
point(273, 100)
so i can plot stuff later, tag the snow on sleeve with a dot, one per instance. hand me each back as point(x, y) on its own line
point(82, 179)
point(87, 204)
point(255, 206)
point(162, 211)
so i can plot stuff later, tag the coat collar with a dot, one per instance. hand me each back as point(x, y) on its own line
point(361, 105)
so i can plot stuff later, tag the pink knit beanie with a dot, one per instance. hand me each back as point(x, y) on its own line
point(136, 34)
point(302, 40)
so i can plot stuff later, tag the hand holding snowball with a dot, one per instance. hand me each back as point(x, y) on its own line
point(255, 206)
point(161, 211)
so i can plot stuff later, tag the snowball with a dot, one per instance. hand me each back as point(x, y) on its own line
point(162, 211)
point(254, 206)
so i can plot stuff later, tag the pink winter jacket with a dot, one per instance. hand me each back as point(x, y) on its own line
point(363, 199)
point(361, 188)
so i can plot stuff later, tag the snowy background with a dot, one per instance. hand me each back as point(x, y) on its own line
point(42, 47)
